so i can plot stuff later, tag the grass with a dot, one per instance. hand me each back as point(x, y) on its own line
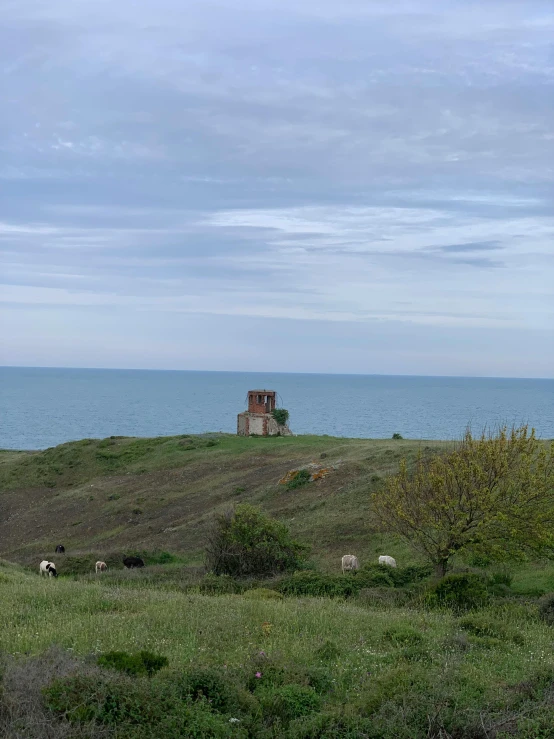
point(378, 664)
point(85, 494)
point(374, 650)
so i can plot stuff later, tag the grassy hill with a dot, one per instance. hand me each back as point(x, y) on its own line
point(254, 662)
point(122, 494)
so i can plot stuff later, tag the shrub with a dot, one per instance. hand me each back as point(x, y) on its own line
point(245, 542)
point(143, 663)
point(206, 683)
point(288, 702)
point(396, 576)
point(337, 725)
point(316, 584)
point(546, 608)
point(134, 708)
point(397, 436)
point(302, 477)
point(459, 591)
point(281, 415)
point(375, 576)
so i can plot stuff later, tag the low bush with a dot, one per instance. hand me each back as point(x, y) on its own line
point(288, 702)
point(209, 684)
point(332, 725)
point(245, 542)
point(302, 477)
point(458, 591)
point(317, 585)
point(135, 708)
point(142, 663)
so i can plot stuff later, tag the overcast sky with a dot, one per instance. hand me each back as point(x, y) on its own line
point(316, 186)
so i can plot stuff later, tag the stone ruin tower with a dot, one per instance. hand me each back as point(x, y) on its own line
point(258, 419)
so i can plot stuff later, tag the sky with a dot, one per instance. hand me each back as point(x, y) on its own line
point(274, 185)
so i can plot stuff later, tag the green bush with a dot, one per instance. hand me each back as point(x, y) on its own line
point(321, 585)
point(459, 591)
point(302, 477)
point(397, 436)
point(317, 585)
point(288, 702)
point(142, 663)
point(135, 708)
point(245, 542)
point(546, 608)
point(209, 684)
point(281, 415)
point(339, 725)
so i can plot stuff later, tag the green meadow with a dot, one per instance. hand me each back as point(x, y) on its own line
point(249, 659)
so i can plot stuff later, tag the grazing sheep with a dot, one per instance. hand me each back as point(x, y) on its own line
point(60, 549)
point(384, 559)
point(132, 562)
point(349, 563)
point(100, 567)
point(47, 568)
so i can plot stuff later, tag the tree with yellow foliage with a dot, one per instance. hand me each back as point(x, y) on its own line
point(492, 495)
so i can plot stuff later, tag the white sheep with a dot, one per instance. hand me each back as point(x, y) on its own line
point(384, 559)
point(349, 563)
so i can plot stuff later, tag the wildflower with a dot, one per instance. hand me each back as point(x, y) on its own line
point(258, 674)
point(234, 720)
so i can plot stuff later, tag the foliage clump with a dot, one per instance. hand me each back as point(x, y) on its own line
point(491, 495)
point(302, 477)
point(459, 591)
point(142, 663)
point(288, 702)
point(281, 416)
point(397, 436)
point(245, 542)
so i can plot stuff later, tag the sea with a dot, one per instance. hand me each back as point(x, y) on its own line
point(43, 407)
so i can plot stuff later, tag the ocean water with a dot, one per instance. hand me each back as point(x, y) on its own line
point(40, 407)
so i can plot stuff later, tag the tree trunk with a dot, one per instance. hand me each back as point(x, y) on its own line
point(440, 567)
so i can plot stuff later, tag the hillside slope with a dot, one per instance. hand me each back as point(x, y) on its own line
point(119, 494)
